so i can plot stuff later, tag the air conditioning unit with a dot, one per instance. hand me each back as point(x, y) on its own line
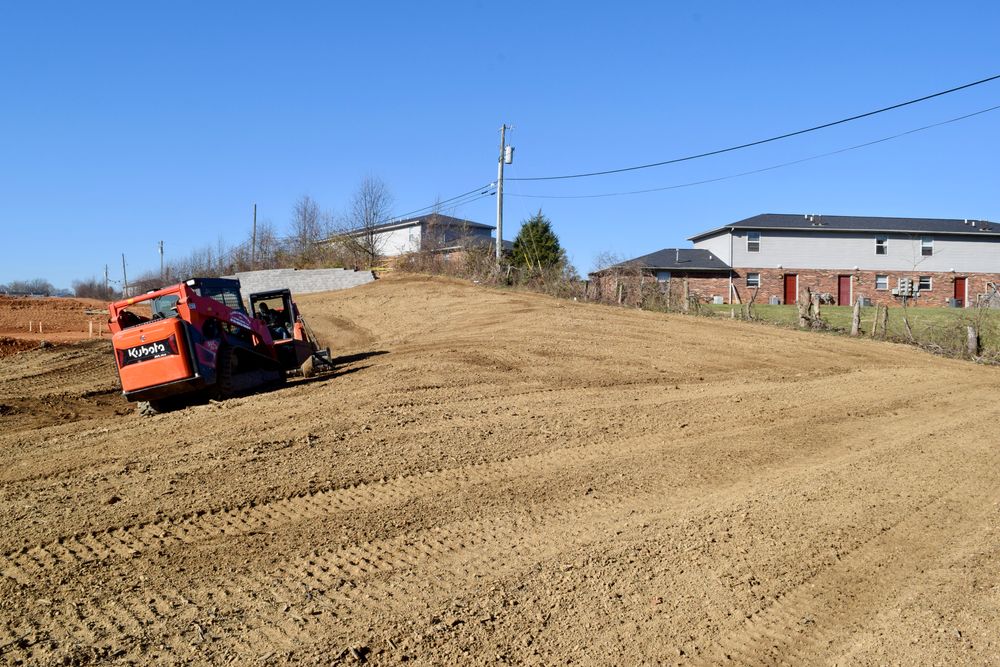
point(954, 303)
point(717, 300)
point(866, 302)
point(775, 301)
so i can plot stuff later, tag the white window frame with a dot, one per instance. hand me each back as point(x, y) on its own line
point(755, 283)
point(882, 243)
point(753, 237)
point(930, 283)
point(926, 246)
point(885, 279)
point(663, 276)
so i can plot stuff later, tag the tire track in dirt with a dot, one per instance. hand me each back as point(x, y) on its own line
point(25, 565)
point(806, 622)
point(286, 606)
point(28, 563)
point(269, 608)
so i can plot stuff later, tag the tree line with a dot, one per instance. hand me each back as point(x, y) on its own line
point(317, 238)
point(302, 245)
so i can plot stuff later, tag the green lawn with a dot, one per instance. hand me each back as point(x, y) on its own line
point(938, 326)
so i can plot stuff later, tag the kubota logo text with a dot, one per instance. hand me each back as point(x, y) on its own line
point(151, 350)
point(160, 348)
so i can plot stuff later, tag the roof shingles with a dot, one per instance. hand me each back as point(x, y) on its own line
point(854, 223)
point(678, 259)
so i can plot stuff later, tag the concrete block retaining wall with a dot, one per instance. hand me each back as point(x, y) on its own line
point(302, 281)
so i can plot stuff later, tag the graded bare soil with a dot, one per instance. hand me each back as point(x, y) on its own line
point(497, 477)
point(60, 319)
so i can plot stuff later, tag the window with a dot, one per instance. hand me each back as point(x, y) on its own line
point(881, 245)
point(926, 246)
point(753, 241)
point(663, 276)
point(881, 282)
point(753, 280)
point(165, 306)
point(924, 284)
point(227, 296)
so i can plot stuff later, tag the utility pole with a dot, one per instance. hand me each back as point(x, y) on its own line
point(506, 157)
point(253, 241)
point(124, 278)
point(107, 293)
point(161, 261)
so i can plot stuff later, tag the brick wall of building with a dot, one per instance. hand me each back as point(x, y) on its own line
point(637, 286)
point(863, 282)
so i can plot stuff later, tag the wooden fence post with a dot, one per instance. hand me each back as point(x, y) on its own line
point(885, 321)
point(856, 319)
point(804, 303)
point(972, 341)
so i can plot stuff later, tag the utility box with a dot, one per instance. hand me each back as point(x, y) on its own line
point(508, 154)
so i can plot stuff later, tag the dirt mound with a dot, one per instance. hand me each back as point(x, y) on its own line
point(9, 346)
point(493, 477)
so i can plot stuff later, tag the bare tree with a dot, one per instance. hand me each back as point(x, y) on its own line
point(370, 207)
point(36, 286)
point(267, 245)
point(307, 226)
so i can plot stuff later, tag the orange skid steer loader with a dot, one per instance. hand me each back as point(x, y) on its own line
point(196, 340)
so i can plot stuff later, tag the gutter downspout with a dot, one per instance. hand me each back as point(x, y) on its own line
point(730, 266)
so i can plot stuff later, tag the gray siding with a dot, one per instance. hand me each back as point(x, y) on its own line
point(717, 245)
point(841, 250)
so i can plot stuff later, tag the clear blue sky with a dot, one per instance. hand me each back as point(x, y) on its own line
point(127, 123)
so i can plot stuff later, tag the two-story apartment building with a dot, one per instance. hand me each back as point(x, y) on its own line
point(949, 261)
point(770, 256)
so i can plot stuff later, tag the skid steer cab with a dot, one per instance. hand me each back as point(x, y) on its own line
point(294, 343)
point(196, 341)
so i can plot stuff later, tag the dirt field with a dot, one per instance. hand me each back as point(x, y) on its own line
point(498, 478)
point(61, 320)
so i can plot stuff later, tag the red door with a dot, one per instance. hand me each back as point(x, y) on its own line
point(843, 290)
point(791, 288)
point(960, 292)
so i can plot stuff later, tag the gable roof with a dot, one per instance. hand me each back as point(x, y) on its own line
point(443, 221)
point(676, 259)
point(431, 219)
point(854, 223)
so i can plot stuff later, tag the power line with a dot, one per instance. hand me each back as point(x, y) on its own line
point(762, 169)
point(764, 141)
point(480, 190)
point(468, 200)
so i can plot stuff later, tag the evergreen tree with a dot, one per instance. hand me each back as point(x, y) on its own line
point(537, 246)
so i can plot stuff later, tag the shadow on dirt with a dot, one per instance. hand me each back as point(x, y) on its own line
point(323, 377)
point(360, 356)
